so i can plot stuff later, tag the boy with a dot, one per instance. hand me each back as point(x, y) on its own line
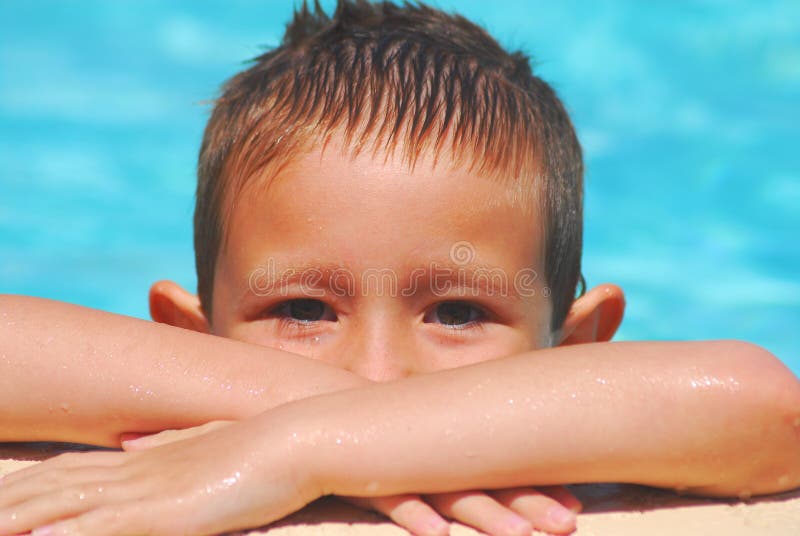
point(390, 194)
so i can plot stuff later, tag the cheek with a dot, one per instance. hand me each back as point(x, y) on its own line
point(248, 332)
point(502, 341)
point(259, 334)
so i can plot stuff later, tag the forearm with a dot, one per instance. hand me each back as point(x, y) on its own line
point(681, 415)
point(68, 373)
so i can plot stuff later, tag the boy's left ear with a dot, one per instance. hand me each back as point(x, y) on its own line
point(594, 317)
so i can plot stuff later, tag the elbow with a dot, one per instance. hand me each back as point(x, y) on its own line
point(767, 415)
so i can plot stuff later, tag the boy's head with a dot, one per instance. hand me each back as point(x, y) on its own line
point(390, 145)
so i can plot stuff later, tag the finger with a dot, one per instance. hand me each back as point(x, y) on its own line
point(144, 442)
point(50, 482)
point(480, 511)
point(564, 496)
point(106, 520)
point(58, 504)
point(408, 511)
point(63, 461)
point(544, 512)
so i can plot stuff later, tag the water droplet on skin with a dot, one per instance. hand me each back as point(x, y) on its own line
point(64, 407)
point(256, 392)
point(223, 484)
point(315, 339)
point(81, 496)
point(338, 440)
point(231, 480)
point(510, 401)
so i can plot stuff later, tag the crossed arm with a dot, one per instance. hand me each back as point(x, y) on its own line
point(718, 418)
point(69, 373)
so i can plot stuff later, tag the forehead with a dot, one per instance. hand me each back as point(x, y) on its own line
point(337, 195)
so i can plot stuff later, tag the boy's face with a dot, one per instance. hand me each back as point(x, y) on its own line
point(379, 269)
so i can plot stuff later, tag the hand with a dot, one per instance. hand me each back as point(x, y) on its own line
point(175, 488)
point(510, 511)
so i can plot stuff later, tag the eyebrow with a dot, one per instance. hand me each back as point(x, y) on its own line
point(471, 279)
point(434, 277)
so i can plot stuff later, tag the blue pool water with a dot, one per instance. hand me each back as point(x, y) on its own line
point(688, 112)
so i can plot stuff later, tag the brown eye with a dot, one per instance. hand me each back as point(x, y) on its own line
point(454, 314)
point(304, 310)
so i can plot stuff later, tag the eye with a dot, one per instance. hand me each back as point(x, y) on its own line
point(455, 314)
point(304, 311)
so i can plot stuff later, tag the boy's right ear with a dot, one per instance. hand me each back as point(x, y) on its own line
point(172, 304)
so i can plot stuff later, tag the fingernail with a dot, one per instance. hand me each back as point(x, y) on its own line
point(561, 516)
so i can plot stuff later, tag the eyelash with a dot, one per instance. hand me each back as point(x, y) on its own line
point(477, 323)
point(293, 326)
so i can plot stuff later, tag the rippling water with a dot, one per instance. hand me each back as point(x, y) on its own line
point(688, 113)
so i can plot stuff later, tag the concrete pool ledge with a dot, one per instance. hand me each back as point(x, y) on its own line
point(609, 510)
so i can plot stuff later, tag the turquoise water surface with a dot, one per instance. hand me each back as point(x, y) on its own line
point(688, 113)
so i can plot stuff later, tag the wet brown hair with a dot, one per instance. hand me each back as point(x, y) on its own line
point(391, 77)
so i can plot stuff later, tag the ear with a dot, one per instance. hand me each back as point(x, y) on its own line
point(171, 304)
point(595, 316)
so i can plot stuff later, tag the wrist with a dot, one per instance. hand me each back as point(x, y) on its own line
point(289, 429)
point(318, 444)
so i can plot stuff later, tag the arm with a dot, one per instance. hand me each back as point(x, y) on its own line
point(69, 373)
point(716, 418)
